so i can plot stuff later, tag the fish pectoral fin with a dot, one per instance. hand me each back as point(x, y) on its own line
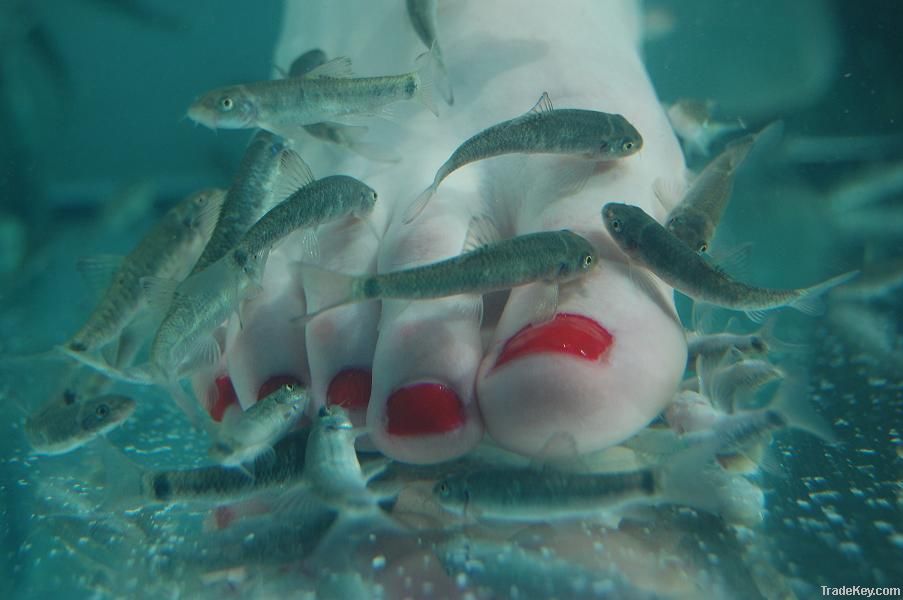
point(756, 316)
point(546, 304)
point(481, 231)
point(543, 105)
point(337, 68)
point(417, 206)
point(98, 271)
point(310, 245)
point(204, 353)
point(734, 262)
point(159, 292)
point(294, 174)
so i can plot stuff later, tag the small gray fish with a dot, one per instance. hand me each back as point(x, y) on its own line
point(646, 242)
point(789, 409)
point(595, 135)
point(422, 14)
point(694, 220)
point(129, 485)
point(512, 572)
point(542, 494)
point(244, 435)
point(249, 197)
point(331, 468)
point(551, 257)
point(168, 250)
point(64, 426)
point(324, 94)
point(347, 136)
point(315, 202)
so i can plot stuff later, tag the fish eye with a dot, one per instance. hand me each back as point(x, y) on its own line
point(616, 225)
point(627, 146)
point(226, 103)
point(587, 260)
point(102, 410)
point(703, 247)
point(443, 488)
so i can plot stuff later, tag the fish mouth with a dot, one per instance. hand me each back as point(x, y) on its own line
point(568, 334)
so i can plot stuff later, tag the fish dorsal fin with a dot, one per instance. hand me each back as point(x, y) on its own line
point(480, 232)
point(207, 217)
point(294, 174)
point(337, 68)
point(159, 292)
point(543, 105)
point(98, 271)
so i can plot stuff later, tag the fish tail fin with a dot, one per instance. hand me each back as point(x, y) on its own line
point(197, 416)
point(414, 210)
point(325, 289)
point(811, 302)
point(792, 402)
point(139, 375)
point(693, 478)
point(428, 65)
point(122, 480)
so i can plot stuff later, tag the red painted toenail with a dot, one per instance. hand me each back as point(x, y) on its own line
point(350, 389)
point(422, 409)
point(225, 397)
point(565, 334)
point(274, 383)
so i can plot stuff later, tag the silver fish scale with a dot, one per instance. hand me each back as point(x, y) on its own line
point(307, 100)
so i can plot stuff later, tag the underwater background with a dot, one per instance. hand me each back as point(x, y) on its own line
point(92, 95)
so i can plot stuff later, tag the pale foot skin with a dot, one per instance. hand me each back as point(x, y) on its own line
point(611, 359)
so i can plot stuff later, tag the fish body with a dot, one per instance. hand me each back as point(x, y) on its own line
point(423, 17)
point(540, 494)
point(694, 220)
point(654, 247)
point(132, 485)
point(551, 257)
point(347, 136)
point(591, 134)
point(248, 198)
point(246, 435)
point(282, 106)
point(167, 251)
point(718, 344)
point(332, 470)
point(315, 203)
point(64, 426)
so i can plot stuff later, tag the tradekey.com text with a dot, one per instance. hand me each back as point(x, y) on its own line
point(858, 590)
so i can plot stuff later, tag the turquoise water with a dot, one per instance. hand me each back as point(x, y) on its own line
point(91, 98)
